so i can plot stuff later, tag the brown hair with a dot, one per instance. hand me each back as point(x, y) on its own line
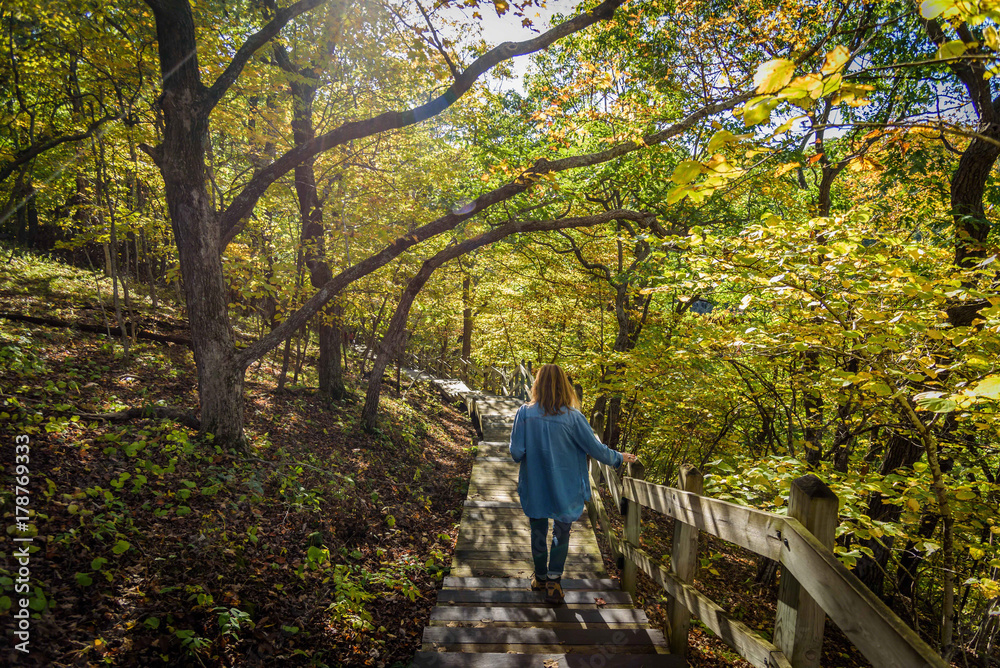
point(552, 390)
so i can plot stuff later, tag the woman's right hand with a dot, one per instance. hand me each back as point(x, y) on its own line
point(628, 458)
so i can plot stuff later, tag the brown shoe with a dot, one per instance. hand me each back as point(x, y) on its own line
point(553, 592)
point(537, 583)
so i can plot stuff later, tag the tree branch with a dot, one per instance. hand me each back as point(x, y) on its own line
point(32, 152)
point(595, 268)
point(451, 220)
point(233, 218)
point(251, 46)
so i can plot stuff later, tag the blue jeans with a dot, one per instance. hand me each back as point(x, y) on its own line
point(549, 564)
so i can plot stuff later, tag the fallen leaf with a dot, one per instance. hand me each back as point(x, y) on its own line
point(600, 601)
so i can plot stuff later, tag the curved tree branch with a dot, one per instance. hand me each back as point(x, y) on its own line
point(233, 218)
point(451, 220)
point(251, 46)
point(32, 152)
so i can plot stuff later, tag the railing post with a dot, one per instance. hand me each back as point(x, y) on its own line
point(684, 562)
point(633, 519)
point(798, 627)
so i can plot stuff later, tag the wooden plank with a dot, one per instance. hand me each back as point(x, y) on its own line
point(464, 570)
point(507, 534)
point(737, 635)
point(524, 567)
point(538, 625)
point(882, 637)
point(518, 524)
point(633, 519)
point(484, 503)
point(599, 659)
point(753, 529)
point(610, 477)
point(799, 621)
point(578, 562)
point(508, 551)
point(488, 596)
point(683, 563)
point(602, 513)
point(525, 583)
point(492, 635)
point(486, 615)
point(612, 651)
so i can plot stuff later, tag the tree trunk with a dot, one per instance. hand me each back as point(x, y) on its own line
point(466, 326)
point(313, 236)
point(968, 184)
point(900, 452)
point(181, 159)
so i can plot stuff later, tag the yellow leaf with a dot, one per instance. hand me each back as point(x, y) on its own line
point(720, 139)
point(754, 114)
point(835, 60)
point(992, 38)
point(931, 9)
point(677, 194)
point(952, 49)
point(787, 167)
point(988, 387)
point(686, 172)
point(912, 505)
point(773, 75)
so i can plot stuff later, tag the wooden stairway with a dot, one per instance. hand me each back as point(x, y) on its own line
point(486, 613)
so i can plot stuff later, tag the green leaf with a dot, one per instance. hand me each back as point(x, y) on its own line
point(84, 579)
point(988, 387)
point(773, 75)
point(678, 193)
point(952, 49)
point(720, 139)
point(935, 402)
point(686, 172)
point(965, 495)
point(931, 9)
point(755, 114)
point(183, 510)
point(290, 629)
point(97, 563)
point(121, 547)
point(152, 622)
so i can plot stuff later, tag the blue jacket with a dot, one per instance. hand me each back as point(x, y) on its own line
point(552, 450)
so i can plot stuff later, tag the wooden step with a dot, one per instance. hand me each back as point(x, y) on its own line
point(488, 503)
point(509, 570)
point(512, 596)
point(556, 660)
point(621, 639)
point(578, 554)
point(528, 615)
point(518, 583)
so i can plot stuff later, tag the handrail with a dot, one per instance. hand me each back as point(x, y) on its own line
point(814, 581)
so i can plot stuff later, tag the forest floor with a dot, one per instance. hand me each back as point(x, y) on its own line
point(323, 545)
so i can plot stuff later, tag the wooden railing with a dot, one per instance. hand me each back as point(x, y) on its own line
point(813, 585)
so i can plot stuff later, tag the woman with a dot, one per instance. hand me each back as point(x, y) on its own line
point(551, 440)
